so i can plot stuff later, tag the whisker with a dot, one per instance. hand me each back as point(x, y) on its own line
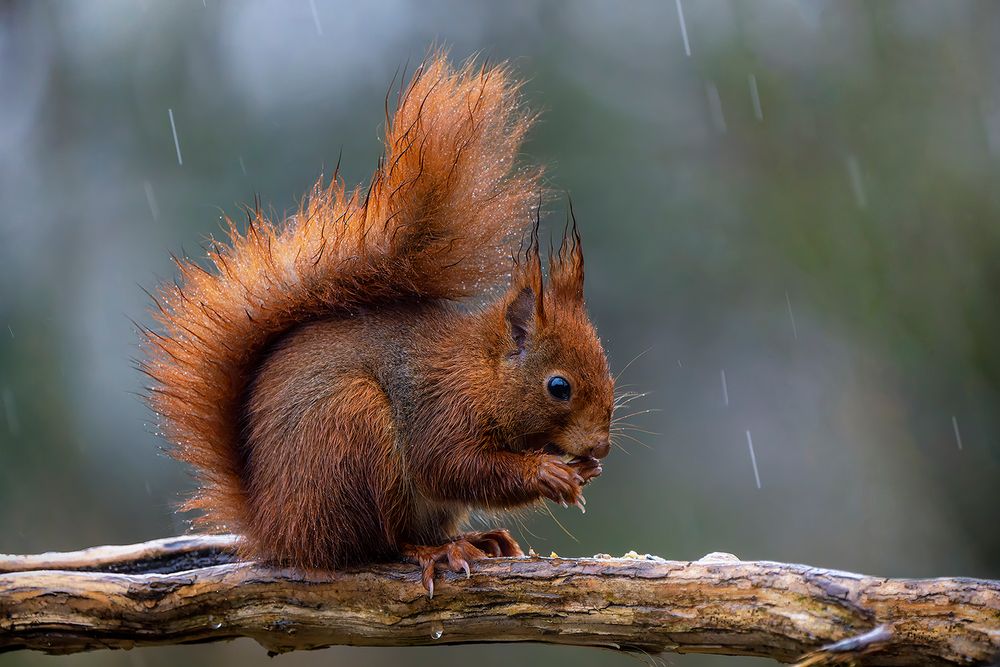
point(624, 394)
point(628, 398)
point(624, 451)
point(631, 362)
point(527, 433)
point(549, 510)
point(524, 525)
point(522, 529)
point(633, 439)
point(633, 414)
point(630, 395)
point(629, 427)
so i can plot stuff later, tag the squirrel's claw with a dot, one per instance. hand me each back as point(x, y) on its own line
point(427, 577)
point(458, 553)
point(562, 482)
point(497, 543)
point(587, 468)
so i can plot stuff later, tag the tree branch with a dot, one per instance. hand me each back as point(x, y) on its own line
point(190, 589)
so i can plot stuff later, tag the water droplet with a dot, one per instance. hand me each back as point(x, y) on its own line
point(857, 181)
point(151, 200)
point(958, 434)
point(684, 31)
point(437, 630)
point(715, 107)
point(753, 459)
point(791, 316)
point(177, 143)
point(758, 112)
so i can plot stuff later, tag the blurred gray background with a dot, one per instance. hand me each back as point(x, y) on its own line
point(806, 202)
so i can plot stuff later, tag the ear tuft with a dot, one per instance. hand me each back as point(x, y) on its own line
point(566, 266)
point(521, 317)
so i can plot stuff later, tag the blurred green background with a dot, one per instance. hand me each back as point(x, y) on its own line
point(832, 248)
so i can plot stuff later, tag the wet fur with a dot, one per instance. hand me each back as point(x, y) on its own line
point(335, 393)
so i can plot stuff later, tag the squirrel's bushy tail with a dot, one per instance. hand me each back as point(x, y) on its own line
point(439, 220)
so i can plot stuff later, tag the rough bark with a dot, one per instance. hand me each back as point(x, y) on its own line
point(190, 589)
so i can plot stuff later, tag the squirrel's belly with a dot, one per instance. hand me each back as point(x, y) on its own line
point(432, 522)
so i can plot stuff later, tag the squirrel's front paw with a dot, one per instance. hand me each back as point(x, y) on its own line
point(587, 467)
point(561, 482)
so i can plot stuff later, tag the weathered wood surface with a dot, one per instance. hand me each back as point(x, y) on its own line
point(190, 589)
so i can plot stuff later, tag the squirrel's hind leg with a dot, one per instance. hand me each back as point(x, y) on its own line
point(325, 480)
point(457, 553)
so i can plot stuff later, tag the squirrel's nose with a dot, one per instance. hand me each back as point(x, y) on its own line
point(601, 449)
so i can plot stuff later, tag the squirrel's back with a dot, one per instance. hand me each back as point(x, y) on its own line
point(439, 221)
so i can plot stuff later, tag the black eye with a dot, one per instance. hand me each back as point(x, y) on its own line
point(559, 387)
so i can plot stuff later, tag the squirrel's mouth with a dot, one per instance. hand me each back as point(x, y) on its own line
point(555, 450)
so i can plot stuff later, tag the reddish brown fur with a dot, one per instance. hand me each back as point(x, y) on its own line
point(336, 400)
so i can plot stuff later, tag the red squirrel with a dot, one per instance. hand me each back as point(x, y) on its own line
point(341, 382)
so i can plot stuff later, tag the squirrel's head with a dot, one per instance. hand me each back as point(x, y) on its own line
point(555, 387)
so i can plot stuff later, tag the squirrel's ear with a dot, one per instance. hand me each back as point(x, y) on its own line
point(566, 266)
point(520, 317)
point(526, 308)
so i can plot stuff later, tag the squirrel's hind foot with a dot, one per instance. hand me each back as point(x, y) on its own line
point(496, 543)
point(457, 553)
